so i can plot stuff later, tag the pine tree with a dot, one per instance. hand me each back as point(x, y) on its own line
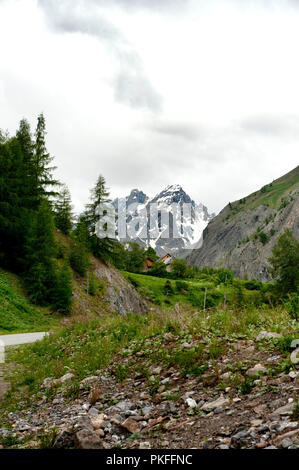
point(42, 159)
point(100, 246)
point(40, 250)
point(62, 292)
point(99, 195)
point(63, 211)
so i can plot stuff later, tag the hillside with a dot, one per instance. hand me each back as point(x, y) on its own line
point(16, 312)
point(186, 379)
point(112, 294)
point(243, 234)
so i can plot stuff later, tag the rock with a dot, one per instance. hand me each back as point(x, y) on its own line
point(49, 382)
point(64, 440)
point(85, 383)
point(66, 378)
point(286, 443)
point(284, 410)
point(100, 432)
point(86, 406)
point(256, 370)
point(123, 405)
point(260, 409)
point(273, 358)
point(97, 424)
point(226, 375)
point(219, 403)
point(87, 439)
point(131, 425)
point(261, 445)
point(165, 381)
point(293, 375)
point(191, 403)
point(289, 435)
point(157, 370)
point(147, 410)
point(236, 400)
point(145, 445)
point(241, 437)
point(256, 422)
point(93, 412)
point(266, 334)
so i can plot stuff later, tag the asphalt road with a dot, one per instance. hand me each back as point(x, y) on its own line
point(14, 340)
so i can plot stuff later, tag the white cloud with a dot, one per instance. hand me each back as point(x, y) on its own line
point(152, 93)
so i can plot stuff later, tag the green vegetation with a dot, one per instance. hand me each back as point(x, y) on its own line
point(157, 339)
point(219, 284)
point(274, 195)
point(16, 313)
point(285, 262)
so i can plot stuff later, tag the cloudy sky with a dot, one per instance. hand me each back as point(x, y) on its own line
point(204, 93)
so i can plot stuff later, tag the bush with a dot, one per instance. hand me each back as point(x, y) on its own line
point(134, 281)
point(92, 284)
point(292, 306)
point(253, 285)
point(62, 293)
point(263, 238)
point(168, 290)
point(182, 286)
point(285, 262)
point(79, 259)
point(225, 276)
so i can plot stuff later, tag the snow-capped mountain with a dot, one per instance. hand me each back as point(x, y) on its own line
point(170, 222)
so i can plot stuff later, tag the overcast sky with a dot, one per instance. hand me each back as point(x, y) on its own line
point(204, 93)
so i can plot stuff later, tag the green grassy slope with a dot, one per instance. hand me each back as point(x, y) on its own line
point(17, 315)
point(192, 294)
point(272, 194)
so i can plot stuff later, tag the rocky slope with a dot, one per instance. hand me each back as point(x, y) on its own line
point(242, 236)
point(157, 407)
point(191, 227)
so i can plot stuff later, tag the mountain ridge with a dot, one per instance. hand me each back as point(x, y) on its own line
point(156, 235)
point(241, 237)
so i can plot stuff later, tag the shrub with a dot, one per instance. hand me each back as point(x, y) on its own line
point(62, 294)
point(181, 286)
point(168, 290)
point(263, 238)
point(292, 306)
point(285, 262)
point(79, 259)
point(134, 281)
point(253, 285)
point(225, 276)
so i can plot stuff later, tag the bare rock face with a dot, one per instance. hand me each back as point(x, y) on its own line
point(121, 296)
point(243, 234)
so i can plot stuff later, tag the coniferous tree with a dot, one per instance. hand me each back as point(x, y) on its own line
point(100, 246)
point(62, 292)
point(42, 159)
point(40, 250)
point(63, 211)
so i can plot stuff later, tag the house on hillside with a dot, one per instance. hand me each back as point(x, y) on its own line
point(168, 260)
point(148, 264)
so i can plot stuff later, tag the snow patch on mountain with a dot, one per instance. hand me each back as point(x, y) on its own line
point(178, 225)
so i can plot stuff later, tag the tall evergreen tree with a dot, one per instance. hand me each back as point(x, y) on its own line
point(42, 159)
point(63, 211)
point(40, 250)
point(100, 246)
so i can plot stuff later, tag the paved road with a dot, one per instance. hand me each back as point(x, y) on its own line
point(14, 340)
